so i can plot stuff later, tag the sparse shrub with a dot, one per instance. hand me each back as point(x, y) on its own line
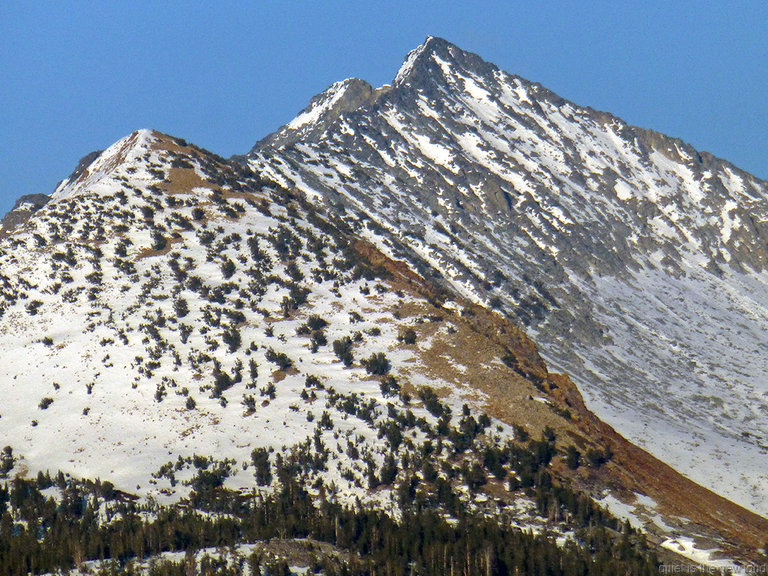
point(232, 339)
point(221, 382)
point(510, 360)
point(45, 402)
point(315, 322)
point(389, 386)
point(408, 336)
point(269, 391)
point(287, 244)
point(317, 339)
point(343, 350)
point(473, 476)
point(94, 278)
point(181, 307)
point(292, 270)
point(33, 307)
point(68, 256)
point(377, 364)
point(260, 459)
point(250, 403)
point(521, 434)
point(572, 457)
point(121, 249)
point(313, 381)
point(287, 304)
point(6, 461)
point(493, 460)
point(597, 458)
point(326, 421)
point(159, 242)
point(280, 358)
point(228, 268)
point(388, 470)
point(355, 317)
point(432, 402)
point(184, 331)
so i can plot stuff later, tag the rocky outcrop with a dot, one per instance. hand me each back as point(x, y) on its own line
point(21, 211)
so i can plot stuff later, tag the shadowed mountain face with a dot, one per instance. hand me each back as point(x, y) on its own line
point(636, 262)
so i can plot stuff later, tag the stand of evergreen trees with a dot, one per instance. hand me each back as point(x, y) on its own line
point(39, 534)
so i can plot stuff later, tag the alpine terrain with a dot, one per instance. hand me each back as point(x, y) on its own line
point(317, 357)
point(637, 263)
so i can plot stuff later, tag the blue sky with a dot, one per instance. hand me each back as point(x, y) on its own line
point(76, 76)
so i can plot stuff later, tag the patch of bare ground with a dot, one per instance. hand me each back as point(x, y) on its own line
point(150, 252)
point(184, 180)
point(280, 375)
point(453, 351)
point(228, 194)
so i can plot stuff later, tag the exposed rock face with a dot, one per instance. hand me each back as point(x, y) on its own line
point(322, 111)
point(638, 263)
point(27, 205)
point(82, 167)
point(21, 211)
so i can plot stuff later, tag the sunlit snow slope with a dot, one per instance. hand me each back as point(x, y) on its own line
point(636, 262)
point(167, 309)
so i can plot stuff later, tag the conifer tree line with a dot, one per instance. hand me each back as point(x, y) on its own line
point(39, 534)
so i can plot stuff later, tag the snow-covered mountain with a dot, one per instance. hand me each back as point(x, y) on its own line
point(164, 304)
point(179, 327)
point(341, 312)
point(637, 263)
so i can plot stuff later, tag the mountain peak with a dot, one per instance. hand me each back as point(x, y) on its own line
point(470, 198)
point(573, 210)
point(98, 164)
point(436, 52)
point(418, 55)
point(322, 110)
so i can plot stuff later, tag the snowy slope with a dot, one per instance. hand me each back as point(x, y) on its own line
point(106, 341)
point(638, 263)
point(167, 311)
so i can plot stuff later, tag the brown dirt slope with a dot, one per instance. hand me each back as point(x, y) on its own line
point(482, 337)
